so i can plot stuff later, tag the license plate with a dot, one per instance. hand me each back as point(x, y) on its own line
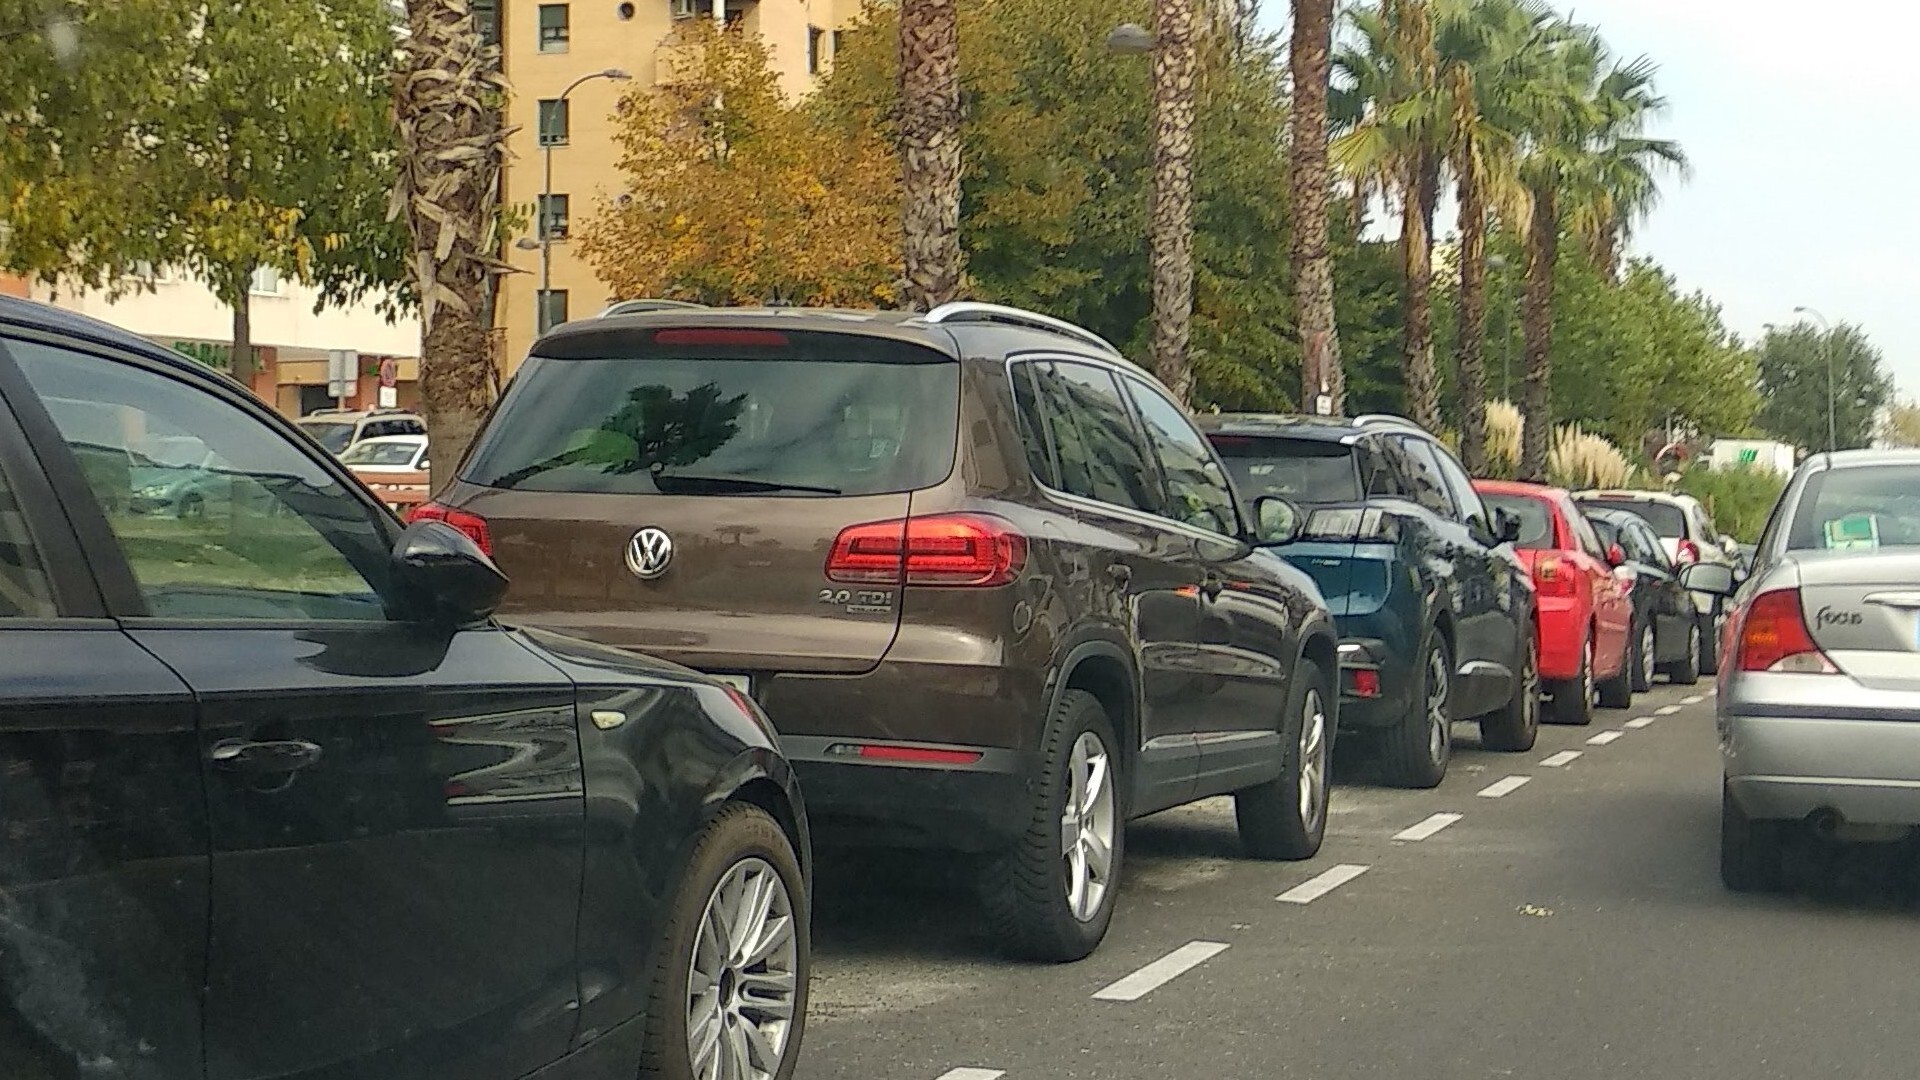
point(742, 683)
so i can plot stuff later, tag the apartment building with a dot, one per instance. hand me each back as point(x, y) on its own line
point(551, 53)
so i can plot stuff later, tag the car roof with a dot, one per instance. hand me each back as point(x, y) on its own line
point(1624, 495)
point(1853, 459)
point(1283, 425)
point(416, 439)
point(34, 315)
point(1520, 487)
point(342, 416)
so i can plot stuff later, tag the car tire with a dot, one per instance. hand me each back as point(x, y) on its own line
point(1286, 817)
point(1414, 753)
point(1573, 698)
point(1709, 641)
point(1751, 851)
point(741, 858)
point(1617, 692)
point(1686, 671)
point(1516, 726)
point(1032, 891)
point(1643, 659)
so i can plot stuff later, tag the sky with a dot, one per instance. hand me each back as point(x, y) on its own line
point(1802, 123)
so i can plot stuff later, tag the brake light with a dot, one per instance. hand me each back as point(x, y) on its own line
point(1553, 577)
point(919, 755)
point(466, 521)
point(720, 336)
point(1688, 554)
point(1774, 637)
point(946, 549)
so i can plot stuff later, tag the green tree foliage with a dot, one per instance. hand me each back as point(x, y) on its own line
point(1793, 366)
point(1738, 499)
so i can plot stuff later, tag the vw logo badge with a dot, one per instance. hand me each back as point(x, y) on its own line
point(649, 552)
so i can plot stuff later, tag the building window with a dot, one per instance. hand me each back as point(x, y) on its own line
point(266, 281)
point(839, 39)
point(553, 309)
point(814, 36)
point(486, 20)
point(554, 124)
point(553, 27)
point(553, 216)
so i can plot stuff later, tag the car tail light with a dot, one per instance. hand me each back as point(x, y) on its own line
point(1688, 553)
point(1358, 524)
point(1774, 637)
point(466, 521)
point(946, 549)
point(1553, 576)
point(913, 755)
point(1366, 683)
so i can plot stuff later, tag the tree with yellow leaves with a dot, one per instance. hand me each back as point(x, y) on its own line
point(734, 195)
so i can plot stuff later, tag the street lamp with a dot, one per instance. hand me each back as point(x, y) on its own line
point(1826, 346)
point(540, 321)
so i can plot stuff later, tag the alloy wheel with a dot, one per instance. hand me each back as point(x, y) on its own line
point(1313, 761)
point(742, 982)
point(1439, 728)
point(1587, 684)
point(1646, 656)
point(1530, 687)
point(1087, 826)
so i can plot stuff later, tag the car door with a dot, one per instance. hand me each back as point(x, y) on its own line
point(1135, 555)
point(1483, 636)
point(1612, 607)
point(395, 809)
point(1672, 605)
point(1248, 626)
point(103, 827)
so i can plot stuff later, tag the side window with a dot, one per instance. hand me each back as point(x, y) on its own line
point(1429, 486)
point(1033, 431)
point(1197, 488)
point(1377, 472)
point(1646, 546)
point(1093, 434)
point(1583, 533)
point(25, 592)
point(1460, 486)
point(219, 515)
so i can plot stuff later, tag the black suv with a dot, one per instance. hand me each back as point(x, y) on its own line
point(992, 586)
point(278, 799)
point(1434, 606)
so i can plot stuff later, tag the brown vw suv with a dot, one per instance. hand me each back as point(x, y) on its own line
point(991, 585)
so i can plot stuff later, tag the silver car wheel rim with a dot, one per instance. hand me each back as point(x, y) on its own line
point(1587, 684)
point(1313, 761)
point(1437, 725)
point(1646, 655)
point(741, 982)
point(1530, 687)
point(1693, 646)
point(1087, 826)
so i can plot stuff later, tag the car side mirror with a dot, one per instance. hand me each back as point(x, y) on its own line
point(1616, 555)
point(447, 576)
point(1276, 520)
point(1506, 526)
point(1712, 579)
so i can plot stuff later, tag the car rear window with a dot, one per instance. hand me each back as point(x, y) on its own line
point(334, 436)
point(1536, 519)
point(1860, 508)
point(726, 412)
point(1667, 519)
point(1303, 470)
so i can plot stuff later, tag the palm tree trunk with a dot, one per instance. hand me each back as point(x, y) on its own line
point(1416, 249)
point(1170, 225)
point(1536, 405)
point(1311, 181)
point(451, 136)
point(930, 150)
point(1471, 350)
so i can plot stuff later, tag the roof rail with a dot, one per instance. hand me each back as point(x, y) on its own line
point(637, 307)
point(1388, 420)
point(960, 311)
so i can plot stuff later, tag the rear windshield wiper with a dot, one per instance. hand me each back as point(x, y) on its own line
point(744, 484)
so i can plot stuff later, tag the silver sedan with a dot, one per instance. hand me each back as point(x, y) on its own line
point(1819, 700)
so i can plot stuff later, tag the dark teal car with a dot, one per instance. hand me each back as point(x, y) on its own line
point(1433, 606)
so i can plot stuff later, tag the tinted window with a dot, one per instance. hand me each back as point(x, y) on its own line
point(1536, 519)
point(333, 435)
point(1459, 484)
point(1609, 533)
point(219, 515)
point(1668, 520)
point(380, 453)
point(1033, 430)
point(1862, 508)
point(1304, 470)
point(1643, 545)
point(1197, 490)
point(1428, 485)
point(24, 590)
point(1583, 533)
point(1099, 448)
point(847, 417)
point(1376, 469)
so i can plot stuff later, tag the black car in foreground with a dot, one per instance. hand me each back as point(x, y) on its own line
point(1666, 634)
point(279, 799)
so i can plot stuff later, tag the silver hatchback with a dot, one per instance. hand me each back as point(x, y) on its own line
point(1819, 697)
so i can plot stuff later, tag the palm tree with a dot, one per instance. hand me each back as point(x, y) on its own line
point(930, 161)
point(1170, 216)
point(1311, 182)
point(1591, 171)
point(452, 137)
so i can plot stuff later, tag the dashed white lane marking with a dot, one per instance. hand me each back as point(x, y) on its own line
point(1500, 788)
point(1667, 710)
point(1640, 722)
point(1564, 757)
point(972, 1074)
point(1161, 971)
point(1692, 699)
point(1428, 827)
point(1606, 737)
point(1316, 887)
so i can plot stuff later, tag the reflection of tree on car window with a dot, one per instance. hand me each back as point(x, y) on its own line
point(655, 429)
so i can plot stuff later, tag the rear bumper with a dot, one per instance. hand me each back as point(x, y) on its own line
point(980, 807)
point(1787, 767)
point(1360, 656)
point(1563, 634)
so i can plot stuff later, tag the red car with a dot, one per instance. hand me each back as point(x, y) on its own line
point(1585, 612)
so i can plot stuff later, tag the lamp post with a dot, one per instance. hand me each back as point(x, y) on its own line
point(1826, 346)
point(540, 322)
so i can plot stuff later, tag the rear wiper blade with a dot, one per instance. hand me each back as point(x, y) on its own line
point(743, 484)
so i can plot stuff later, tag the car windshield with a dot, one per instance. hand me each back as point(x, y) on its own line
point(381, 453)
point(1668, 520)
point(1858, 508)
point(332, 434)
point(1535, 516)
point(1304, 470)
point(725, 425)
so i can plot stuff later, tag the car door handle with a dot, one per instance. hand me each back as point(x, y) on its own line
point(1895, 599)
point(275, 756)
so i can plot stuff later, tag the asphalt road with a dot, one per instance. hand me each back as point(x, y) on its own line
point(1572, 927)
